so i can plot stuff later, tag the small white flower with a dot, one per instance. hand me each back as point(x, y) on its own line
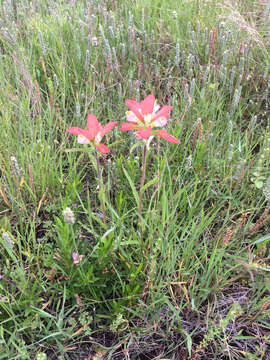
point(69, 217)
point(15, 168)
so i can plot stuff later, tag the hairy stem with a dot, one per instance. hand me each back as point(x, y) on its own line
point(100, 188)
point(142, 183)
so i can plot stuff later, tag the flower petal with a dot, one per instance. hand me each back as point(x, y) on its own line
point(108, 127)
point(74, 130)
point(79, 131)
point(163, 112)
point(134, 107)
point(102, 148)
point(131, 117)
point(147, 105)
point(161, 121)
point(77, 258)
point(93, 126)
point(82, 139)
point(143, 133)
point(156, 107)
point(128, 126)
point(163, 134)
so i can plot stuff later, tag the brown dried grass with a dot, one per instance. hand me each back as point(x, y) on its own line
point(249, 22)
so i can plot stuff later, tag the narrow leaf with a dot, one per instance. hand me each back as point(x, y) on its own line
point(151, 182)
point(134, 191)
point(262, 239)
point(138, 143)
point(83, 149)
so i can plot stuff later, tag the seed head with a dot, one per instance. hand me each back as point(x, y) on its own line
point(7, 240)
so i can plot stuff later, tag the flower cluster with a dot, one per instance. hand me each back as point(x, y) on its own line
point(94, 133)
point(145, 118)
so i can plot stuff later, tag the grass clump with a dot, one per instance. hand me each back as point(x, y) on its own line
point(186, 274)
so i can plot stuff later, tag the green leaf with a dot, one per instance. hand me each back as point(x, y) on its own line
point(8, 248)
point(151, 182)
point(212, 86)
point(107, 233)
point(42, 313)
point(113, 144)
point(262, 239)
point(138, 143)
point(134, 191)
point(189, 342)
point(83, 149)
point(258, 184)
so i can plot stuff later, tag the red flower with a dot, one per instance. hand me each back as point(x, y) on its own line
point(94, 133)
point(163, 134)
point(143, 117)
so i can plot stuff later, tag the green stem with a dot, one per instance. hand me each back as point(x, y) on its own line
point(158, 173)
point(100, 187)
point(142, 184)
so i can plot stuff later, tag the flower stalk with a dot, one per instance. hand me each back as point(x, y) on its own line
point(100, 188)
point(145, 119)
point(93, 136)
point(142, 181)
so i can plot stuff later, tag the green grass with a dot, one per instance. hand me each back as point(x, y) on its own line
point(197, 286)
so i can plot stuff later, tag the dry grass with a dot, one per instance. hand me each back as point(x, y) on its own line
point(241, 16)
